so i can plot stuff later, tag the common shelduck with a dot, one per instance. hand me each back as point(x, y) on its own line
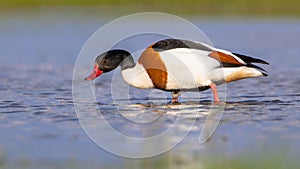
point(179, 65)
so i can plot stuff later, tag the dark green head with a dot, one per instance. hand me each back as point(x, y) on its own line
point(109, 61)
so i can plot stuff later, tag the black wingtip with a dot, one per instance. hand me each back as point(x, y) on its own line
point(263, 62)
point(264, 74)
point(256, 67)
point(249, 59)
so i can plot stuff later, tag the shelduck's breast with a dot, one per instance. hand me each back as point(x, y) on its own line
point(137, 77)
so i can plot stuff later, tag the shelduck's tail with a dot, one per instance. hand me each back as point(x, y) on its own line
point(244, 70)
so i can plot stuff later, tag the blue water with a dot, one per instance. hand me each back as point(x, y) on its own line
point(39, 127)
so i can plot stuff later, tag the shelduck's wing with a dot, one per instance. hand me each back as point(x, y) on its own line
point(229, 59)
point(226, 58)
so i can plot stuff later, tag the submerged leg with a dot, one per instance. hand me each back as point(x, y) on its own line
point(215, 92)
point(175, 95)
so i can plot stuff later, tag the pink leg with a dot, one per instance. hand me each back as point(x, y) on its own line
point(175, 95)
point(215, 92)
point(174, 100)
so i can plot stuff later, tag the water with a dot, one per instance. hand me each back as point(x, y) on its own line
point(39, 127)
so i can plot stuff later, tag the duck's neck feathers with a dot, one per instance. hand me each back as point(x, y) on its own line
point(135, 75)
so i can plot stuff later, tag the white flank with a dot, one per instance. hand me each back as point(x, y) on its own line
point(188, 68)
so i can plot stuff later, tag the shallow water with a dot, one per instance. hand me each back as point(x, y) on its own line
point(39, 127)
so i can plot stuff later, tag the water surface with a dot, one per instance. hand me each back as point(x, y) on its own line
point(39, 127)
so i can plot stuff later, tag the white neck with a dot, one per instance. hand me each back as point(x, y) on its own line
point(137, 77)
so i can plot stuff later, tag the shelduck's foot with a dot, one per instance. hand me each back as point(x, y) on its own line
point(217, 101)
point(175, 95)
point(174, 101)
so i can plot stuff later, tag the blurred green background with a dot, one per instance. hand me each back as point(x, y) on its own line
point(187, 7)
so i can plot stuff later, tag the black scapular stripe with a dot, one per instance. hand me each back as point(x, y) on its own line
point(168, 44)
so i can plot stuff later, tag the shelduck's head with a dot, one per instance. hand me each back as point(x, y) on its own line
point(109, 61)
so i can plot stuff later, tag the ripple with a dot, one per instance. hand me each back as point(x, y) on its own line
point(277, 119)
point(71, 119)
point(47, 136)
point(39, 113)
point(39, 108)
point(6, 101)
point(13, 111)
point(47, 93)
point(13, 106)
